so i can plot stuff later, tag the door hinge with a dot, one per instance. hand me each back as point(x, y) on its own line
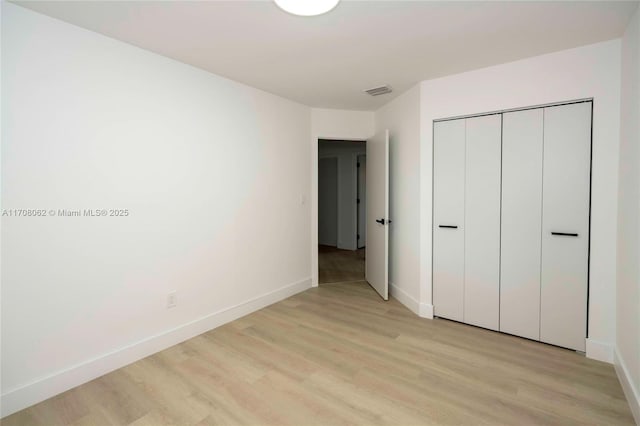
point(358, 164)
point(358, 201)
point(358, 236)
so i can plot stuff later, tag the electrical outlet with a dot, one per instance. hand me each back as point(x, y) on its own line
point(172, 300)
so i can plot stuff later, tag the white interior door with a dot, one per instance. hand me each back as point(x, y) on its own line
point(377, 249)
point(362, 201)
point(482, 221)
point(565, 225)
point(448, 218)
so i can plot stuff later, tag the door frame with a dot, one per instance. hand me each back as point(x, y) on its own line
point(314, 198)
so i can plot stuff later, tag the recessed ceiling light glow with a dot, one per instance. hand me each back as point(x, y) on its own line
point(307, 7)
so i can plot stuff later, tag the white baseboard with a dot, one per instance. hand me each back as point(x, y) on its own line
point(58, 382)
point(403, 297)
point(599, 351)
point(630, 391)
point(426, 310)
point(423, 310)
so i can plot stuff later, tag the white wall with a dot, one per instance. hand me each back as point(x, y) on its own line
point(92, 123)
point(628, 288)
point(590, 71)
point(342, 124)
point(332, 124)
point(347, 221)
point(402, 117)
point(1, 205)
point(328, 201)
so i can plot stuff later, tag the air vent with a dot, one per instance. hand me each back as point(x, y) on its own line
point(376, 91)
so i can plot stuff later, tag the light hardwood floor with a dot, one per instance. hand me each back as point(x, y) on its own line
point(339, 355)
point(335, 265)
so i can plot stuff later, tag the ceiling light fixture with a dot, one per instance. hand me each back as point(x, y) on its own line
point(307, 7)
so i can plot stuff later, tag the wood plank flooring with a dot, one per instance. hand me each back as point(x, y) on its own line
point(335, 265)
point(339, 355)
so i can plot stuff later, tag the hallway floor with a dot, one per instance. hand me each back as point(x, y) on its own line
point(337, 265)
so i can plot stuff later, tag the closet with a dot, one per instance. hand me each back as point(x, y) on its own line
point(511, 194)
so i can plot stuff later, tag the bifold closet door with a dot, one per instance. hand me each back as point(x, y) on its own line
point(565, 225)
point(482, 221)
point(521, 223)
point(448, 218)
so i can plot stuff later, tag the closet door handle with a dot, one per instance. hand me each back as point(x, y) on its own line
point(448, 226)
point(380, 221)
point(564, 234)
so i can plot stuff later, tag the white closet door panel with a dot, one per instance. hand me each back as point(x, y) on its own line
point(482, 222)
point(448, 218)
point(521, 223)
point(566, 181)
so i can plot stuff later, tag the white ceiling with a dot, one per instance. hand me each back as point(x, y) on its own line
point(327, 61)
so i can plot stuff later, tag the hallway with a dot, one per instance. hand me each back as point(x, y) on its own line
point(337, 265)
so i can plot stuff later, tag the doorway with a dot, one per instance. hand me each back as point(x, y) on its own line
point(341, 211)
